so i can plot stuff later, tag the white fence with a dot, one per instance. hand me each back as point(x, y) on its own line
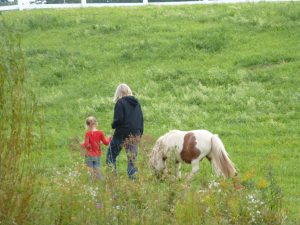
point(25, 4)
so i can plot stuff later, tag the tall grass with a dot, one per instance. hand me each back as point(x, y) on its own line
point(17, 118)
point(75, 198)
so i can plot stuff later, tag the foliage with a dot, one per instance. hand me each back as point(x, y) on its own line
point(75, 199)
point(17, 139)
point(231, 202)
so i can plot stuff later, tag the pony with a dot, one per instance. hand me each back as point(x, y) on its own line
point(191, 147)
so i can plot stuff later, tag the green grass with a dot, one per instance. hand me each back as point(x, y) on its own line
point(230, 69)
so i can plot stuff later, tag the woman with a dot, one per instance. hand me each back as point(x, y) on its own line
point(128, 123)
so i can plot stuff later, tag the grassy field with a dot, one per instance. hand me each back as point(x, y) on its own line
point(230, 69)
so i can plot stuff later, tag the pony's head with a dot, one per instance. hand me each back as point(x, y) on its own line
point(157, 160)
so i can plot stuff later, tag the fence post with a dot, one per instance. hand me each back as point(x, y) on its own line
point(83, 3)
point(20, 4)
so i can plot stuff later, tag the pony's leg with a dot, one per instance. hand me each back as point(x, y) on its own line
point(195, 168)
point(164, 168)
point(178, 173)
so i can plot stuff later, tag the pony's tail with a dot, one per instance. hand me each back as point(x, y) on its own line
point(220, 160)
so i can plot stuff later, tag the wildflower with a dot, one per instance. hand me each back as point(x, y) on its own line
point(262, 183)
point(224, 184)
point(248, 176)
point(237, 184)
point(98, 205)
point(213, 184)
point(238, 187)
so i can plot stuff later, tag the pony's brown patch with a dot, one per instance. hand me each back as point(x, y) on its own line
point(189, 150)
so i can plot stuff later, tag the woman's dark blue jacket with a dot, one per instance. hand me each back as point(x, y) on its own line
point(128, 117)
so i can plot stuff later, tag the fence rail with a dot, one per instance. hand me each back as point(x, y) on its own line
point(26, 5)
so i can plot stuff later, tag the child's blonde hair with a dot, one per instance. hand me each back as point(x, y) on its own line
point(91, 121)
point(121, 91)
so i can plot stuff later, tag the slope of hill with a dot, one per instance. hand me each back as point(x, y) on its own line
point(230, 69)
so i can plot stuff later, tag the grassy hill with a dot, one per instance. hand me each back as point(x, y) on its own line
point(230, 69)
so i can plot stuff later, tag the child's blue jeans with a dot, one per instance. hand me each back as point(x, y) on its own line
point(92, 161)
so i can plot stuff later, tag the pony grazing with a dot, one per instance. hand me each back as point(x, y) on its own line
point(191, 147)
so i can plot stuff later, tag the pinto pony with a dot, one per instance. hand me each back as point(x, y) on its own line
point(191, 147)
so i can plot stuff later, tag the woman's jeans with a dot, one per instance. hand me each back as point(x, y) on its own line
point(131, 148)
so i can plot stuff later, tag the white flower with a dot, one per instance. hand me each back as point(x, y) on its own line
point(213, 184)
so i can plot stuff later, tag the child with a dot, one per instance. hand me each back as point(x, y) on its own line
point(92, 144)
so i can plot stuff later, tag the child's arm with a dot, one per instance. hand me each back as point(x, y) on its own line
point(104, 140)
point(85, 145)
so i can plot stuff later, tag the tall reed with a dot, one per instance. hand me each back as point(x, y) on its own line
point(17, 114)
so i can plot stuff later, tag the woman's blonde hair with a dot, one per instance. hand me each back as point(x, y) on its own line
point(91, 121)
point(121, 91)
